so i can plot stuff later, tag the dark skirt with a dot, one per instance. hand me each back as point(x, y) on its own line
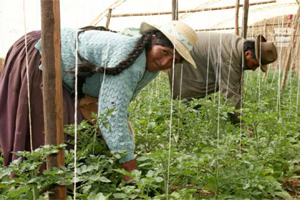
point(14, 115)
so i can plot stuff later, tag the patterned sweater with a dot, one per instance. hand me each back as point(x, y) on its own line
point(107, 49)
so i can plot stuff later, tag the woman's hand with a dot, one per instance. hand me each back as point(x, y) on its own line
point(129, 166)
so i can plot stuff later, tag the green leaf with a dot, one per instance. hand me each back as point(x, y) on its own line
point(175, 194)
point(150, 173)
point(284, 195)
point(16, 192)
point(159, 179)
point(120, 195)
point(85, 189)
point(98, 196)
point(104, 179)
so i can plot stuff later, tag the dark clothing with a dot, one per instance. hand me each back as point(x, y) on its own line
point(219, 58)
point(14, 115)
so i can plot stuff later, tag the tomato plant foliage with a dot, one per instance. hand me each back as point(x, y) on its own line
point(185, 150)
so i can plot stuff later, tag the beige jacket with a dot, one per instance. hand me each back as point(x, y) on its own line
point(218, 57)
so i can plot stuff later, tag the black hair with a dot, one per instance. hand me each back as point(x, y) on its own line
point(249, 45)
point(87, 68)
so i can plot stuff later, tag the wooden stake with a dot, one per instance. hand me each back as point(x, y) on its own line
point(52, 86)
point(245, 19)
point(290, 50)
point(190, 11)
point(237, 9)
point(174, 9)
point(108, 17)
point(112, 6)
point(296, 61)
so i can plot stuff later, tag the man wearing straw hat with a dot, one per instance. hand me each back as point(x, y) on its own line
point(221, 60)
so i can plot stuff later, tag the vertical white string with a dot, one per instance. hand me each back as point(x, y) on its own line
point(241, 93)
point(298, 89)
point(104, 73)
point(207, 65)
point(27, 76)
point(273, 78)
point(180, 92)
point(217, 72)
point(259, 75)
point(293, 60)
point(289, 75)
point(279, 74)
point(219, 81)
point(150, 91)
point(75, 113)
point(180, 88)
point(230, 62)
point(170, 124)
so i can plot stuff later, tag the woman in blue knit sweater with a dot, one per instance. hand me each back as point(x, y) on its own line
point(112, 68)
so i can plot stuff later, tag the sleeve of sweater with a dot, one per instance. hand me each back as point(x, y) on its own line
point(116, 93)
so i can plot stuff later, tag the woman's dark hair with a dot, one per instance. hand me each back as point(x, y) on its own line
point(86, 68)
point(249, 45)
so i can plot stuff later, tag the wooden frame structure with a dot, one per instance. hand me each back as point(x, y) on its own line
point(52, 86)
point(191, 11)
point(51, 60)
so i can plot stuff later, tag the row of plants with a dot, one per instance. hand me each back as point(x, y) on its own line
point(182, 152)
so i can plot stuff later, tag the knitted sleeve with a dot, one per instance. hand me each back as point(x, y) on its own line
point(116, 92)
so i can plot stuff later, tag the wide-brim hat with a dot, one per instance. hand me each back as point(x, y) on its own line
point(181, 35)
point(265, 52)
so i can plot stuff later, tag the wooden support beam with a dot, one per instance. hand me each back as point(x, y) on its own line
point(190, 11)
point(108, 18)
point(245, 19)
point(174, 9)
point(237, 9)
point(52, 86)
point(113, 6)
point(231, 28)
point(290, 50)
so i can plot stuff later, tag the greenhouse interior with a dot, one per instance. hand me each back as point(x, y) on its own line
point(160, 99)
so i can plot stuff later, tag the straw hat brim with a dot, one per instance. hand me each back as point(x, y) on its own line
point(258, 41)
point(179, 47)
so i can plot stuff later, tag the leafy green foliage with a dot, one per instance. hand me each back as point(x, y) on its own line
point(182, 153)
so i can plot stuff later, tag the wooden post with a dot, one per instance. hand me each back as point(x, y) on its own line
point(296, 54)
point(174, 9)
point(237, 9)
point(52, 86)
point(108, 18)
point(245, 19)
point(290, 50)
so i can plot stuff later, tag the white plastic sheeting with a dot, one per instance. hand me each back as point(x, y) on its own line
point(78, 13)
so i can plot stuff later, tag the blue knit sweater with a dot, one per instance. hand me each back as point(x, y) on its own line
point(107, 49)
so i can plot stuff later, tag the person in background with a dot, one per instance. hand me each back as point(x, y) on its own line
point(112, 68)
point(221, 59)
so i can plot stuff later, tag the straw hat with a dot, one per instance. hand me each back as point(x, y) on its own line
point(182, 36)
point(265, 52)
